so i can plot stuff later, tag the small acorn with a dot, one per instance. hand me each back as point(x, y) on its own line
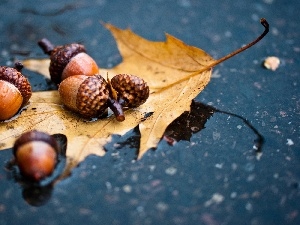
point(132, 91)
point(86, 95)
point(35, 154)
point(15, 90)
point(68, 60)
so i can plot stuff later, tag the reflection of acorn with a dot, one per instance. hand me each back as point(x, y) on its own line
point(68, 60)
point(15, 91)
point(36, 195)
point(35, 154)
point(132, 91)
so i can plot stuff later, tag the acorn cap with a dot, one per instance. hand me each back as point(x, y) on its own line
point(92, 96)
point(16, 78)
point(60, 56)
point(131, 89)
point(35, 135)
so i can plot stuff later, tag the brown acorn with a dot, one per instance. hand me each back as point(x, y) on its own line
point(86, 95)
point(132, 91)
point(15, 91)
point(35, 154)
point(68, 60)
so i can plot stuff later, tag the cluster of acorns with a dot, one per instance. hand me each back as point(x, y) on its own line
point(82, 90)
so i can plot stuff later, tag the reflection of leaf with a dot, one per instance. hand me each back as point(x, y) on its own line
point(171, 71)
point(188, 123)
point(194, 121)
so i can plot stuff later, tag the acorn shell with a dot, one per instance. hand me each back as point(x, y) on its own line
point(86, 95)
point(132, 91)
point(81, 63)
point(11, 100)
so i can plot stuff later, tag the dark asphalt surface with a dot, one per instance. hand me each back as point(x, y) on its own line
point(212, 176)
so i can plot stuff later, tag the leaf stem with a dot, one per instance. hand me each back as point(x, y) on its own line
point(117, 109)
point(264, 22)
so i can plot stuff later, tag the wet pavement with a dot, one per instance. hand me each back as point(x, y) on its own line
point(206, 170)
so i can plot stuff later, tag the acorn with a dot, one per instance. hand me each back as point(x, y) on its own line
point(15, 90)
point(68, 60)
point(35, 154)
point(86, 95)
point(132, 91)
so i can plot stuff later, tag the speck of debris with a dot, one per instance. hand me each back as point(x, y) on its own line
point(251, 177)
point(117, 145)
point(219, 165)
point(239, 127)
point(185, 3)
point(108, 185)
point(233, 195)
point(249, 206)
point(216, 74)
point(272, 63)
point(249, 167)
point(134, 177)
point(140, 209)
point(216, 135)
point(269, 1)
point(289, 142)
point(161, 206)
point(194, 129)
point(127, 188)
point(234, 166)
point(152, 168)
point(215, 199)
point(115, 154)
point(147, 115)
point(171, 171)
point(258, 155)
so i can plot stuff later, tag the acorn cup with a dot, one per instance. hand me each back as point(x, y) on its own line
point(132, 91)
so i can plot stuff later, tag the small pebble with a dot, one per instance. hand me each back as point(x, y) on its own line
point(272, 63)
point(161, 206)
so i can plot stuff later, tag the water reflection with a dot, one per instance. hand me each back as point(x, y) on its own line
point(194, 121)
